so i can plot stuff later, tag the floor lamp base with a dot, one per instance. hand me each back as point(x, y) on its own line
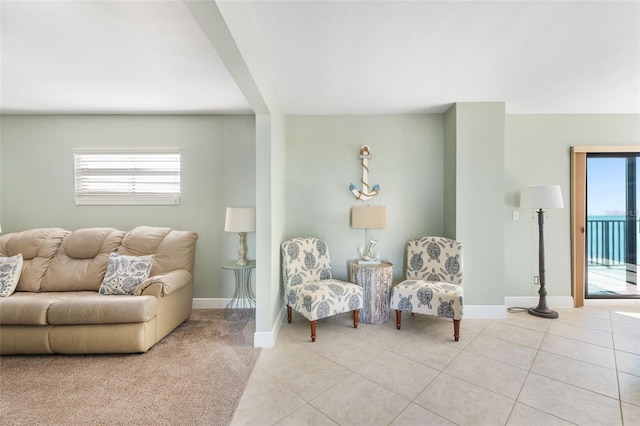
point(543, 313)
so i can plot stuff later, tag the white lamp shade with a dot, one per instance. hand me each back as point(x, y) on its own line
point(541, 197)
point(240, 219)
point(369, 217)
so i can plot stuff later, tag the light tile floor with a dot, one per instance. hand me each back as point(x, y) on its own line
point(583, 368)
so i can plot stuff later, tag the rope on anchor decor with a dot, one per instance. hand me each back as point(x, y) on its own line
point(364, 194)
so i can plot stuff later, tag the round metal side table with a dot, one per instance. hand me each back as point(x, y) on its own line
point(243, 302)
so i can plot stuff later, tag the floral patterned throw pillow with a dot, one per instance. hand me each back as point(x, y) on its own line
point(10, 270)
point(125, 273)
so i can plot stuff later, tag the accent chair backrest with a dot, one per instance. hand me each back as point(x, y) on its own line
point(434, 259)
point(305, 260)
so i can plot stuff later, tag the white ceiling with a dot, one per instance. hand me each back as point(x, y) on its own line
point(325, 57)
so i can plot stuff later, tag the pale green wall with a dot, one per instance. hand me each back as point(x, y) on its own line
point(1, 123)
point(218, 170)
point(530, 150)
point(478, 147)
point(271, 173)
point(449, 205)
point(322, 160)
point(537, 153)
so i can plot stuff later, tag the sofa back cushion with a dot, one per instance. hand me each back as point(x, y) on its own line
point(38, 248)
point(81, 261)
point(171, 249)
point(58, 260)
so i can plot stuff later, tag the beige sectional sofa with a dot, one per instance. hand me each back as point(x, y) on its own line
point(57, 306)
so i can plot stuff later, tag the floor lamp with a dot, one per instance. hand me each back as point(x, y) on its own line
point(539, 198)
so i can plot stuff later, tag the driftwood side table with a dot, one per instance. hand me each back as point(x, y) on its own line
point(376, 281)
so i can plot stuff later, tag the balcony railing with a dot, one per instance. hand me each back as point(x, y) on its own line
point(606, 241)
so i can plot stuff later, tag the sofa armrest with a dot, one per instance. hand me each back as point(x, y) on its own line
point(161, 285)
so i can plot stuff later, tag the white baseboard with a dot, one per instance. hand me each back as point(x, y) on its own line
point(261, 339)
point(267, 339)
point(485, 311)
point(209, 303)
point(529, 301)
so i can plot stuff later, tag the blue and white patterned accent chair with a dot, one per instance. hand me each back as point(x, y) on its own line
point(308, 286)
point(433, 284)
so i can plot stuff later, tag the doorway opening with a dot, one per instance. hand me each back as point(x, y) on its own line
point(612, 225)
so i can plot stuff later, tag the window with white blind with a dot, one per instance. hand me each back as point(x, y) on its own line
point(127, 176)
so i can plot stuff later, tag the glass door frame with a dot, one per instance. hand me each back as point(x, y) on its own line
point(579, 213)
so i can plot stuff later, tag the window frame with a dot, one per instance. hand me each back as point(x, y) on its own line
point(578, 156)
point(117, 197)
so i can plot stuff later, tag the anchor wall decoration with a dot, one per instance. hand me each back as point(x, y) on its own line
point(365, 193)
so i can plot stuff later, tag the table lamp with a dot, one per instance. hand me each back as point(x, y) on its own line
point(368, 217)
point(241, 220)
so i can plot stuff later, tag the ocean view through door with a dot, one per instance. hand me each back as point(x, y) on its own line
point(612, 226)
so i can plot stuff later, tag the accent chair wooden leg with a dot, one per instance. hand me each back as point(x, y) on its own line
point(398, 318)
point(313, 330)
point(356, 316)
point(456, 329)
point(289, 314)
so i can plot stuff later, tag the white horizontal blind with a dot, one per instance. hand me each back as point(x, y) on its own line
point(136, 176)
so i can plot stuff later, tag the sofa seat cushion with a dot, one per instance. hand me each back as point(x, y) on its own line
point(26, 308)
point(99, 309)
point(78, 307)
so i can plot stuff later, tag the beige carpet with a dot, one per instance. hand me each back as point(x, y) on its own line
point(194, 376)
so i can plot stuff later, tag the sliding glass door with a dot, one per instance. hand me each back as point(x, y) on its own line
point(612, 225)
